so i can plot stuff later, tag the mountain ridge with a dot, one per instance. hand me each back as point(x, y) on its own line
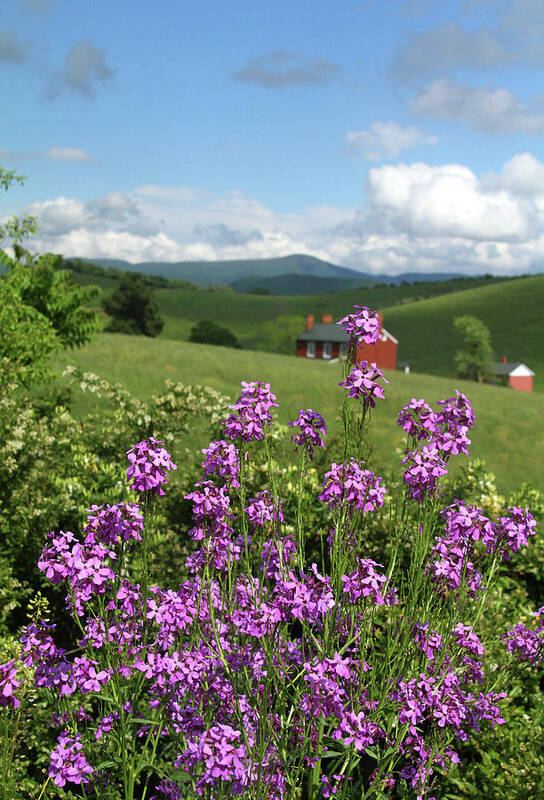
point(206, 273)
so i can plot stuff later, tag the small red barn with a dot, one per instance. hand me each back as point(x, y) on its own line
point(517, 375)
point(326, 340)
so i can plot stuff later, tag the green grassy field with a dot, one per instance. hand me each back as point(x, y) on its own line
point(508, 433)
point(512, 311)
point(246, 315)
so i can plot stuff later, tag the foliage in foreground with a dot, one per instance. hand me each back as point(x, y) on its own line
point(289, 660)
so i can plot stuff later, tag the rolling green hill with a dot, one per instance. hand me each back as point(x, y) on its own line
point(513, 311)
point(247, 315)
point(297, 284)
point(508, 434)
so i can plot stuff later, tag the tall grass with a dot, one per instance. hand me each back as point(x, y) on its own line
point(507, 420)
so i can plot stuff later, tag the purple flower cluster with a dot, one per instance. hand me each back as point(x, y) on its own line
point(68, 762)
point(512, 530)
point(423, 469)
point(198, 662)
point(453, 554)
point(8, 684)
point(211, 510)
point(366, 582)
point(351, 486)
point(221, 460)
point(446, 429)
point(312, 431)
point(85, 567)
point(362, 325)
point(362, 382)
point(525, 643)
point(251, 416)
point(111, 525)
point(264, 511)
point(148, 467)
point(276, 556)
point(437, 436)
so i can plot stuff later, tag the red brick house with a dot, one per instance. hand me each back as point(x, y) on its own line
point(326, 340)
point(517, 375)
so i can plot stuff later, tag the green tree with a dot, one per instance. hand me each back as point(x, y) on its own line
point(15, 228)
point(473, 360)
point(132, 307)
point(280, 335)
point(44, 284)
point(208, 332)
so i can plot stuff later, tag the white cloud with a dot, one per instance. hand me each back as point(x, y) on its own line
point(385, 140)
point(490, 110)
point(415, 217)
point(445, 201)
point(67, 154)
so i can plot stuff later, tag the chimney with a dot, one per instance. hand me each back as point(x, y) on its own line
point(326, 319)
point(310, 322)
point(504, 360)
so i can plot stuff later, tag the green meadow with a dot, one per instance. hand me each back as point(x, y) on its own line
point(512, 309)
point(508, 434)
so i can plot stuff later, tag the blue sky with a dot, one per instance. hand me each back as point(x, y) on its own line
point(385, 135)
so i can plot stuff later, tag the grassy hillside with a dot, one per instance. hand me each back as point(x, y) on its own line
point(247, 314)
point(513, 311)
point(509, 423)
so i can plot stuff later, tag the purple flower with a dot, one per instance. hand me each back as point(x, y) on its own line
point(424, 468)
point(68, 762)
point(277, 555)
point(365, 582)
point(308, 598)
point(8, 683)
point(210, 503)
point(84, 567)
point(313, 431)
point(251, 416)
point(453, 564)
point(218, 754)
point(222, 460)
point(362, 325)
point(355, 729)
point(525, 644)
point(264, 510)
point(446, 429)
point(418, 419)
point(350, 485)
point(426, 639)
point(362, 382)
point(149, 464)
point(113, 524)
point(512, 531)
point(466, 638)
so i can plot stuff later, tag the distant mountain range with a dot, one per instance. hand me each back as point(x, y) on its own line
point(298, 271)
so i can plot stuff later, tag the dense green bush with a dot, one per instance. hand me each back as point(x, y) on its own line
point(208, 332)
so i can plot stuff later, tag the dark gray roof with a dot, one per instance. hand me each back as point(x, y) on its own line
point(504, 367)
point(324, 332)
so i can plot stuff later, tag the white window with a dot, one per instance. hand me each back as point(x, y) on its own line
point(310, 349)
point(344, 350)
point(327, 349)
